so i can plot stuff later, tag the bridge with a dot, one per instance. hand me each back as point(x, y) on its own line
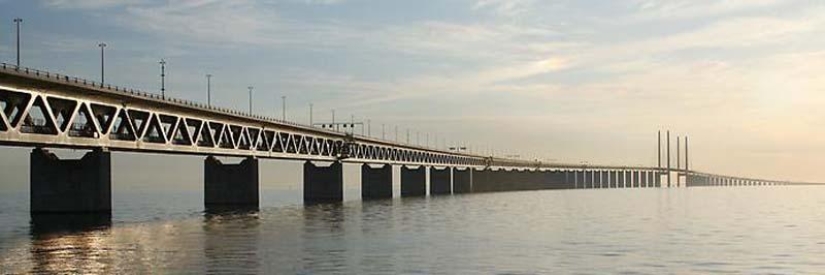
point(47, 110)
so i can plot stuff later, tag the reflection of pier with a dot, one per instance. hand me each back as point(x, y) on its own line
point(46, 110)
point(69, 243)
point(232, 242)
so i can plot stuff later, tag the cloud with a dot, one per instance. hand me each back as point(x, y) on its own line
point(684, 9)
point(89, 4)
point(506, 8)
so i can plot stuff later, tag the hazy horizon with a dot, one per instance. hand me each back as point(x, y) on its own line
point(568, 81)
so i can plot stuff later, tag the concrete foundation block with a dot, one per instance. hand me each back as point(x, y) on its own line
point(71, 186)
point(413, 181)
point(231, 185)
point(440, 183)
point(323, 184)
point(376, 183)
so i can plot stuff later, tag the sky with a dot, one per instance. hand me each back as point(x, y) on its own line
point(559, 80)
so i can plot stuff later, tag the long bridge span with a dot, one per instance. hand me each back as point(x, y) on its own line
point(48, 110)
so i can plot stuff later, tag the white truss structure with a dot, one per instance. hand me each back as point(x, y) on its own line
point(59, 111)
point(43, 109)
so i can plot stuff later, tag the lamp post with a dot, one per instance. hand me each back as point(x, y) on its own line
point(250, 98)
point(102, 76)
point(283, 107)
point(162, 78)
point(17, 22)
point(209, 90)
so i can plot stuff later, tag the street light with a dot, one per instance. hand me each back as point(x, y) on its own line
point(162, 78)
point(333, 120)
point(250, 98)
point(209, 90)
point(102, 79)
point(283, 107)
point(17, 21)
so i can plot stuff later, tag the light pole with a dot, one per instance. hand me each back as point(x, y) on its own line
point(283, 107)
point(209, 90)
point(162, 78)
point(383, 132)
point(17, 21)
point(369, 128)
point(250, 98)
point(102, 79)
point(333, 120)
point(310, 114)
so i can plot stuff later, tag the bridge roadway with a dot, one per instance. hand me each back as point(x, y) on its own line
point(47, 110)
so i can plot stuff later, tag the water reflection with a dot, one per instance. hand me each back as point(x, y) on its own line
point(69, 243)
point(232, 241)
point(43, 225)
point(324, 223)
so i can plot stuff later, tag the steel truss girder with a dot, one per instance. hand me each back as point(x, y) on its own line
point(133, 126)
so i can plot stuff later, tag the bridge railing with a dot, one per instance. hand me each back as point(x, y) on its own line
point(76, 81)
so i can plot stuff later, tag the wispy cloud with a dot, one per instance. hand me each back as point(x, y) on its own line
point(89, 4)
point(684, 9)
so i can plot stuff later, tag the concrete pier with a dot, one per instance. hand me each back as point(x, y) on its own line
point(462, 181)
point(483, 180)
point(440, 183)
point(323, 184)
point(645, 179)
point(622, 179)
point(230, 185)
point(413, 181)
point(71, 186)
point(376, 183)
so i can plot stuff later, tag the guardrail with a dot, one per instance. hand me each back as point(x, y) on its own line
point(189, 103)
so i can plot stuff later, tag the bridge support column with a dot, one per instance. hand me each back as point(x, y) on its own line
point(462, 181)
point(376, 183)
point(614, 179)
point(621, 180)
point(440, 181)
point(323, 184)
point(230, 185)
point(643, 179)
point(413, 181)
point(70, 186)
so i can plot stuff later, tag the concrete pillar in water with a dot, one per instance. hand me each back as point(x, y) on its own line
point(643, 179)
point(413, 181)
point(613, 180)
point(323, 184)
point(587, 180)
point(620, 180)
point(462, 181)
point(628, 180)
point(440, 183)
point(70, 186)
point(657, 179)
point(230, 185)
point(601, 176)
point(376, 183)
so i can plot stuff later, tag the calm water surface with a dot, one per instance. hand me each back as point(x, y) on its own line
point(753, 230)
